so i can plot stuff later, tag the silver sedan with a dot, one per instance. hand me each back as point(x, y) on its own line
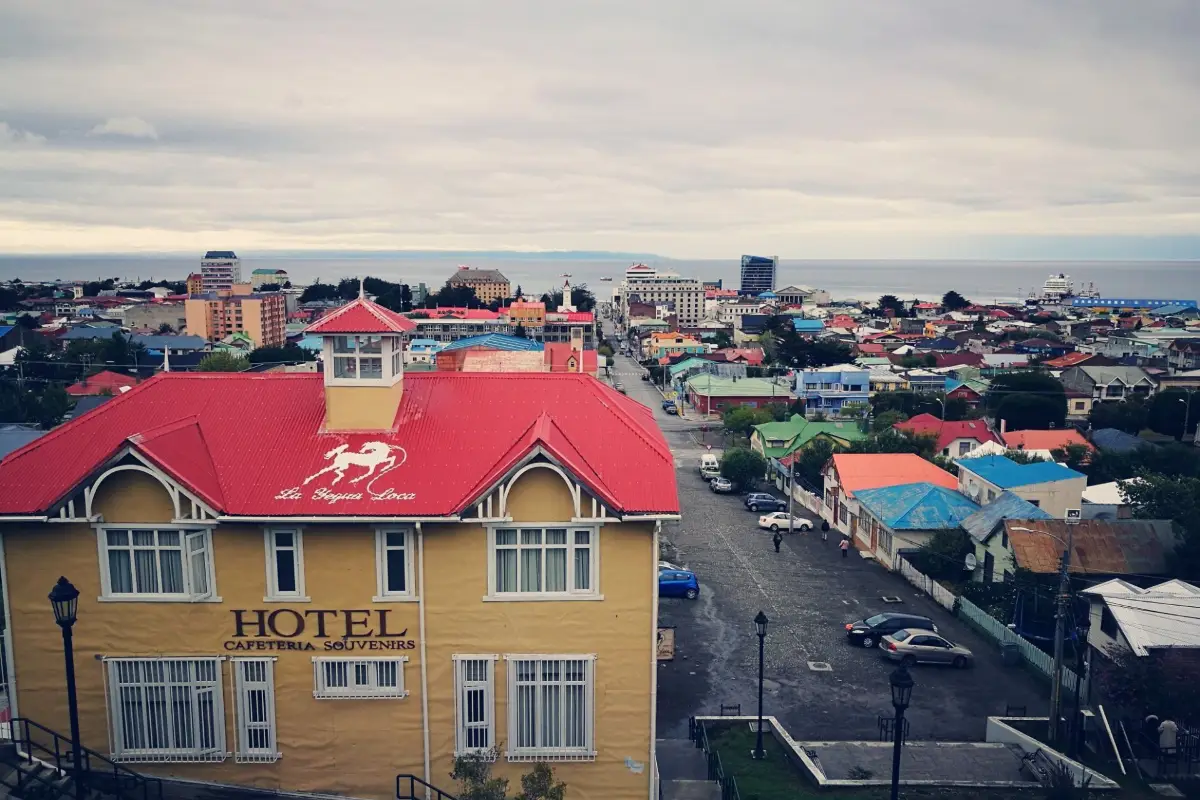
point(918, 646)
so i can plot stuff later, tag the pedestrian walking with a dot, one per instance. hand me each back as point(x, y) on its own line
point(845, 547)
point(824, 530)
point(777, 539)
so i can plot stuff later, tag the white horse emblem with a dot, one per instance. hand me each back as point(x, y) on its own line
point(371, 456)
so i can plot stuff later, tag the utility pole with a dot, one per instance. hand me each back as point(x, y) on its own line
point(791, 490)
point(1060, 629)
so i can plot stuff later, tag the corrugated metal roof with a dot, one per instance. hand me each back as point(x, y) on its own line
point(1045, 440)
point(917, 506)
point(494, 341)
point(984, 522)
point(1008, 474)
point(1108, 547)
point(859, 471)
point(361, 316)
point(947, 432)
point(105, 382)
point(1166, 615)
point(263, 435)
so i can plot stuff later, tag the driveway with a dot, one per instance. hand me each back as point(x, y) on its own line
point(808, 591)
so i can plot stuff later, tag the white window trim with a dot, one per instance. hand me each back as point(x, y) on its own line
point(460, 730)
point(592, 594)
point(273, 594)
point(106, 594)
point(219, 750)
point(321, 691)
point(391, 343)
point(382, 595)
point(586, 753)
point(243, 753)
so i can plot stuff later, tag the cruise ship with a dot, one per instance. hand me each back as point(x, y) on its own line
point(1059, 290)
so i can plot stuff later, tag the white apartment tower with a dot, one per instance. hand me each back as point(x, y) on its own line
point(651, 286)
point(220, 269)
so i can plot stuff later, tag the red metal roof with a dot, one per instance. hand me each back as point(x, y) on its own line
point(947, 432)
point(247, 443)
point(858, 471)
point(105, 382)
point(361, 316)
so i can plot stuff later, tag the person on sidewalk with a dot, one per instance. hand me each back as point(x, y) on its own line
point(777, 539)
point(845, 547)
point(824, 530)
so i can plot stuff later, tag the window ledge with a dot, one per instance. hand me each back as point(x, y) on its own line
point(540, 598)
point(395, 599)
point(156, 598)
point(297, 599)
point(540, 754)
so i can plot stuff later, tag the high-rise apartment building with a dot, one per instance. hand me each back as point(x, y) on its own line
point(758, 275)
point(220, 270)
point(649, 285)
point(215, 315)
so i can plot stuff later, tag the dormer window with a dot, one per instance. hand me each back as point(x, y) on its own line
point(358, 357)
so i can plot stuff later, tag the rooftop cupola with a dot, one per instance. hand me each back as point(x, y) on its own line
point(363, 357)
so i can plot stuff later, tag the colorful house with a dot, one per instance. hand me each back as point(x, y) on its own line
point(829, 390)
point(953, 439)
point(778, 439)
point(846, 474)
point(895, 520)
point(1050, 486)
point(711, 394)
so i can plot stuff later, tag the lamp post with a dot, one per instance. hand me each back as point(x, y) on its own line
point(760, 626)
point(902, 686)
point(1187, 414)
point(64, 599)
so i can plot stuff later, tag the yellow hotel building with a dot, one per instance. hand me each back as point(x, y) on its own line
point(319, 582)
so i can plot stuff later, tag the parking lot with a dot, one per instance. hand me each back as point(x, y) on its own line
point(809, 592)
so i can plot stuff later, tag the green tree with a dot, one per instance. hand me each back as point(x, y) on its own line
point(1130, 415)
point(886, 420)
point(891, 303)
point(605, 350)
point(1022, 412)
point(1073, 455)
point(317, 291)
point(1022, 457)
point(166, 329)
point(743, 467)
point(222, 361)
point(453, 296)
point(540, 784)
point(953, 301)
point(943, 556)
point(810, 461)
point(742, 420)
point(721, 340)
point(1172, 497)
point(1168, 410)
point(520, 332)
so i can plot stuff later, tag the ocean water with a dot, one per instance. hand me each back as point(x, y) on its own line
point(982, 281)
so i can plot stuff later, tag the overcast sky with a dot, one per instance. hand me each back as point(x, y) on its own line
point(689, 128)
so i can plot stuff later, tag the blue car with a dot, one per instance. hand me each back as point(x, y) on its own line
point(678, 583)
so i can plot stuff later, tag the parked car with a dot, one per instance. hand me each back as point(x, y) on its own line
point(672, 410)
point(678, 583)
point(708, 473)
point(757, 501)
point(778, 520)
point(667, 565)
point(918, 646)
point(867, 632)
point(721, 485)
point(645, 376)
point(620, 387)
point(668, 404)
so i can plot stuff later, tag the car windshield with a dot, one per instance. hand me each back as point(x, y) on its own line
point(875, 620)
point(900, 636)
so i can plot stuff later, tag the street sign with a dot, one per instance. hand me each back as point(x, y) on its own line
point(1074, 515)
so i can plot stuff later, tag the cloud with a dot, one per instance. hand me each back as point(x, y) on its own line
point(133, 127)
point(697, 128)
point(12, 135)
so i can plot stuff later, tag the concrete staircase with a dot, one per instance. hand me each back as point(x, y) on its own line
point(23, 779)
point(683, 771)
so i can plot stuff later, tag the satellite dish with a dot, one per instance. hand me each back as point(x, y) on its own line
point(970, 562)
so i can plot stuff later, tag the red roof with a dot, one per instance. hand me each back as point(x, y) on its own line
point(557, 354)
point(101, 383)
point(246, 444)
point(752, 356)
point(360, 316)
point(458, 312)
point(1069, 360)
point(947, 432)
point(870, 349)
point(858, 471)
point(1045, 440)
point(580, 316)
point(959, 359)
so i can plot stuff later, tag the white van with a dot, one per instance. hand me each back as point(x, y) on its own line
point(710, 467)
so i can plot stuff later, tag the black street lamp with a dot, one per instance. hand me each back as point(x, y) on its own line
point(760, 626)
point(64, 599)
point(902, 686)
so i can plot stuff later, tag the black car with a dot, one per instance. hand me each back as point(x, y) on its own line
point(759, 501)
point(866, 632)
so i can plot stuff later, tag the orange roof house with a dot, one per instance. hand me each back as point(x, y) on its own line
point(105, 382)
point(1045, 440)
point(858, 471)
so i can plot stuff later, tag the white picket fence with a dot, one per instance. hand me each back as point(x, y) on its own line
point(991, 627)
point(940, 594)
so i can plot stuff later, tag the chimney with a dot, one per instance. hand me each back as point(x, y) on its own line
point(1003, 427)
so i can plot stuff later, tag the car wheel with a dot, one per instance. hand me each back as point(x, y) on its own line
point(692, 594)
point(908, 661)
point(774, 529)
point(959, 662)
point(754, 506)
point(868, 642)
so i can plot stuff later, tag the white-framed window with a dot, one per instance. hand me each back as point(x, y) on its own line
point(555, 561)
point(155, 563)
point(358, 357)
point(550, 707)
point(474, 704)
point(394, 557)
point(165, 709)
point(254, 689)
point(359, 678)
point(285, 564)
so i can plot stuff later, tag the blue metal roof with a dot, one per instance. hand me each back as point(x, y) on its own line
point(917, 506)
point(983, 522)
point(496, 341)
point(4, 329)
point(1007, 474)
point(1126, 302)
point(807, 325)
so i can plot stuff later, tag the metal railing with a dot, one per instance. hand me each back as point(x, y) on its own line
point(698, 733)
point(96, 772)
point(407, 787)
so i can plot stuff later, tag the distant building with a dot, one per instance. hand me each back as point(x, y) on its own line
point(710, 394)
point(1108, 383)
point(268, 277)
point(828, 390)
point(220, 270)
point(758, 275)
point(1049, 486)
point(195, 283)
point(104, 382)
point(155, 315)
point(648, 285)
point(217, 315)
point(489, 284)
